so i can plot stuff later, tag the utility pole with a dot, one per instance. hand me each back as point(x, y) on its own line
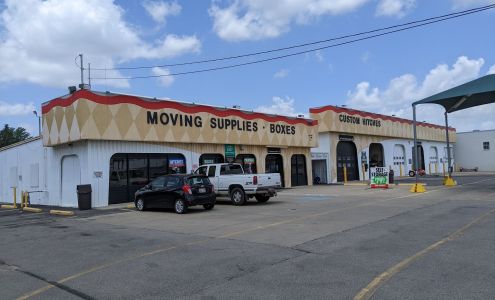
point(82, 69)
point(89, 75)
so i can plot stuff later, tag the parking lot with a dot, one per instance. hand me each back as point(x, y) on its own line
point(322, 242)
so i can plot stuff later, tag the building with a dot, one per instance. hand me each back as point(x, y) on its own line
point(117, 143)
point(475, 150)
point(360, 140)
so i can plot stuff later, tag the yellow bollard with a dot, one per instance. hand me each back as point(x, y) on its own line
point(443, 169)
point(429, 168)
point(400, 171)
point(436, 168)
point(345, 174)
point(363, 171)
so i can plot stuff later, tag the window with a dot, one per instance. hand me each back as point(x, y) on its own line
point(248, 162)
point(210, 158)
point(138, 171)
point(486, 145)
point(201, 170)
point(235, 169)
point(211, 171)
point(158, 183)
point(131, 171)
point(198, 180)
point(176, 164)
point(172, 181)
point(230, 169)
point(158, 166)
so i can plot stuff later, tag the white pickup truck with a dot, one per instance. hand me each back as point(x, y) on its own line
point(230, 180)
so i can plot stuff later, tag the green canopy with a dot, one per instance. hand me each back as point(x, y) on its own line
point(474, 93)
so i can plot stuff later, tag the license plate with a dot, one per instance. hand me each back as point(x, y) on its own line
point(202, 190)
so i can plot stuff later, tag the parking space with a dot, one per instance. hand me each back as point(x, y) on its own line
point(314, 242)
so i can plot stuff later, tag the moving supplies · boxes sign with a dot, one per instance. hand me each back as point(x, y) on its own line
point(379, 177)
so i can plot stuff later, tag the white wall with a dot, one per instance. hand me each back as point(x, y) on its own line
point(469, 150)
point(22, 158)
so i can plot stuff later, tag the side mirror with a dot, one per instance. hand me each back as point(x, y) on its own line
point(148, 187)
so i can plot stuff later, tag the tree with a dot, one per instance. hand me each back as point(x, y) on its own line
point(10, 135)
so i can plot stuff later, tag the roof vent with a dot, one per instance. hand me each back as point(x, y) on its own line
point(236, 106)
point(301, 116)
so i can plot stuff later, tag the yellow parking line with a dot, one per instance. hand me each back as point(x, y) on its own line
point(370, 289)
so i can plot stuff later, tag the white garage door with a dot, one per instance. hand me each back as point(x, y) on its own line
point(71, 177)
point(399, 159)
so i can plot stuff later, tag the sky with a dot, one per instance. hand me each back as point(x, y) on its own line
point(40, 41)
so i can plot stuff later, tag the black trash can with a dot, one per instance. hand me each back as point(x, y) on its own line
point(391, 176)
point(84, 196)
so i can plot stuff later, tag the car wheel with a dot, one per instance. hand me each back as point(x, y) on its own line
point(209, 206)
point(411, 173)
point(262, 198)
point(238, 196)
point(140, 205)
point(180, 206)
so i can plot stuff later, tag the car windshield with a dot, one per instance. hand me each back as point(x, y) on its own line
point(198, 180)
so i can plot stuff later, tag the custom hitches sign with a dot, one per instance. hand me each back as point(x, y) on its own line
point(379, 177)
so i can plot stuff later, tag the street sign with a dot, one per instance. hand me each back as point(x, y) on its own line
point(229, 152)
point(379, 177)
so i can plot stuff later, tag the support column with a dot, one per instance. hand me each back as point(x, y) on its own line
point(448, 181)
point(417, 187)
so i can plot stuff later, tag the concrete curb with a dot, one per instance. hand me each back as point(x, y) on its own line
point(32, 209)
point(8, 206)
point(61, 212)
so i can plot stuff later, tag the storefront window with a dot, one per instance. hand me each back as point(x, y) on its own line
point(248, 162)
point(210, 158)
point(129, 172)
point(158, 165)
point(138, 171)
point(176, 164)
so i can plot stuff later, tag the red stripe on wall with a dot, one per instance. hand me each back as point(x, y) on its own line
point(112, 99)
point(372, 115)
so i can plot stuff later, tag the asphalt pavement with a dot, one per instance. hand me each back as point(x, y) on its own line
point(322, 242)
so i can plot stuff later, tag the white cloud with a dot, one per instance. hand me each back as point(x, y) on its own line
point(395, 8)
point(470, 3)
point(319, 56)
point(164, 80)
point(241, 20)
point(365, 57)
point(491, 70)
point(280, 106)
point(281, 73)
point(39, 40)
point(160, 10)
point(402, 91)
point(17, 109)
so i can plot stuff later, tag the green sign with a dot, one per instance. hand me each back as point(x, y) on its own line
point(379, 177)
point(229, 151)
